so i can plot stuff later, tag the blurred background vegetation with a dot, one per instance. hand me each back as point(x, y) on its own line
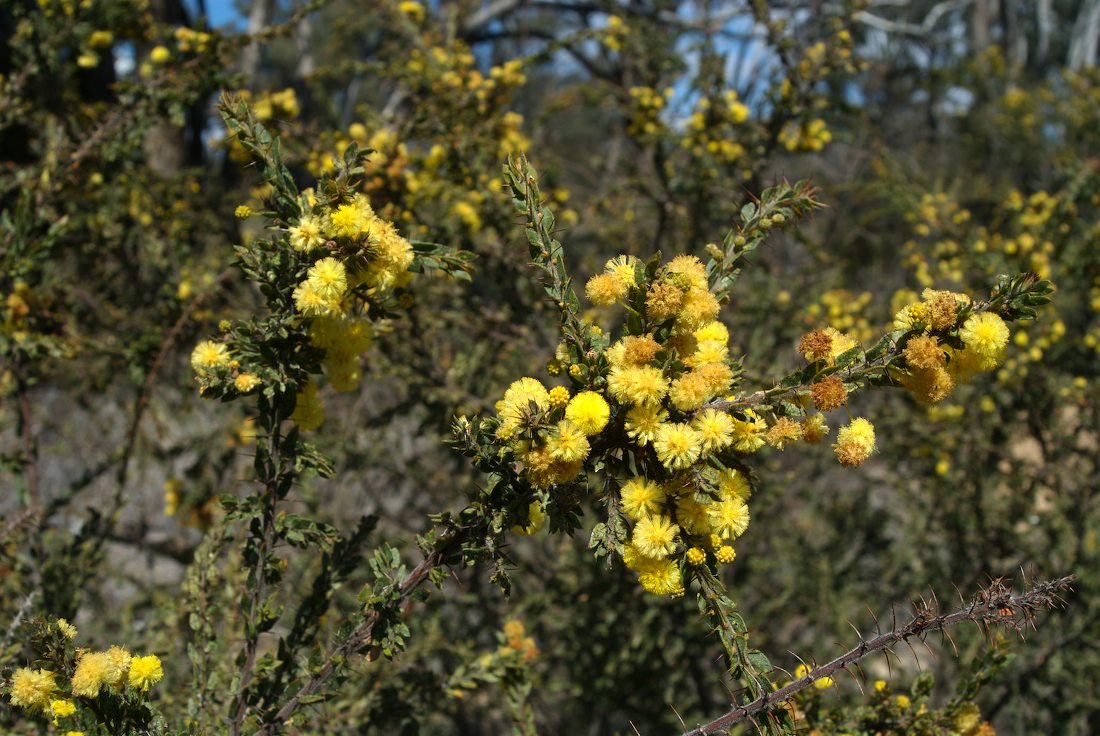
point(951, 141)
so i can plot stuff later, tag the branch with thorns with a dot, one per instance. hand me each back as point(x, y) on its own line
point(994, 605)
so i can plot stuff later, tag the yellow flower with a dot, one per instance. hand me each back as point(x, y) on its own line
point(61, 708)
point(655, 537)
point(814, 429)
point(310, 303)
point(568, 444)
point(559, 396)
point(32, 689)
point(350, 220)
point(783, 431)
point(589, 411)
point(690, 269)
point(641, 497)
point(637, 384)
point(536, 517)
point(985, 333)
point(732, 484)
point(329, 279)
point(92, 670)
point(246, 382)
point(515, 408)
point(67, 629)
point(306, 235)
point(690, 391)
point(725, 554)
point(209, 355)
point(643, 421)
point(145, 672)
point(728, 518)
point(695, 556)
point(662, 578)
point(677, 445)
point(698, 307)
point(622, 268)
point(855, 442)
point(160, 55)
point(605, 289)
point(413, 9)
point(748, 432)
point(715, 428)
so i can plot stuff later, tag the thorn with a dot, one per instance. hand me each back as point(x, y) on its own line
point(681, 720)
point(914, 653)
point(951, 639)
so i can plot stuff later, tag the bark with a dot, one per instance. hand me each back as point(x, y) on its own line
point(258, 17)
point(1086, 33)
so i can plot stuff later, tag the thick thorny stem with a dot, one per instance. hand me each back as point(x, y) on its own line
point(992, 606)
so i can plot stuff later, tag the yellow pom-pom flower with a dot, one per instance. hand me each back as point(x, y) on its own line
point(605, 289)
point(589, 411)
point(677, 445)
point(32, 689)
point(732, 484)
point(92, 671)
point(985, 333)
point(306, 235)
point(655, 537)
point(662, 578)
point(748, 433)
point(637, 384)
point(728, 518)
point(118, 663)
point(622, 269)
point(209, 356)
point(715, 428)
point(855, 442)
point(536, 517)
point(643, 421)
point(568, 443)
point(641, 497)
point(559, 397)
point(245, 382)
point(145, 672)
point(329, 279)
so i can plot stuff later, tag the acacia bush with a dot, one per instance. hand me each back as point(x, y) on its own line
point(325, 412)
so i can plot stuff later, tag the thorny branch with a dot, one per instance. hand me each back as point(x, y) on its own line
point(358, 639)
point(995, 605)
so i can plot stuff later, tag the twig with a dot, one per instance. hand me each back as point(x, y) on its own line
point(994, 605)
point(358, 638)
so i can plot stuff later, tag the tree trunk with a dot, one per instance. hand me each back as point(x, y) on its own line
point(1086, 31)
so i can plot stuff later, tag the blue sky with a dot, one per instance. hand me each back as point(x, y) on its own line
point(221, 12)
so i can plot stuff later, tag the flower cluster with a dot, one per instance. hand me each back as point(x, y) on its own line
point(62, 697)
point(939, 352)
point(648, 396)
point(658, 413)
point(359, 258)
point(339, 264)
